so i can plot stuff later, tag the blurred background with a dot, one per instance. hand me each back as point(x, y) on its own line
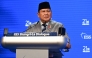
point(76, 16)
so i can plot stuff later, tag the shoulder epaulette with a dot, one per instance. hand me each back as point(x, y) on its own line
point(32, 25)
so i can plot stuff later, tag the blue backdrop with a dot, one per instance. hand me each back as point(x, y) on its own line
point(14, 14)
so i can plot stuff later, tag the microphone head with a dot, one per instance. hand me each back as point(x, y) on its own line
point(5, 31)
point(61, 31)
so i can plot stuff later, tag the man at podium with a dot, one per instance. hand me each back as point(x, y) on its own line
point(45, 24)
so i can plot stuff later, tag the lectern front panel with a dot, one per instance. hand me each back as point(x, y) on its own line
point(35, 42)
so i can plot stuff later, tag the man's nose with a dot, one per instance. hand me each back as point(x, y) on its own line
point(46, 12)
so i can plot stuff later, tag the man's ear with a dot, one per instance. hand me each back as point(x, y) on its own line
point(38, 14)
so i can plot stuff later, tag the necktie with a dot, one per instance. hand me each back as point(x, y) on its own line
point(44, 25)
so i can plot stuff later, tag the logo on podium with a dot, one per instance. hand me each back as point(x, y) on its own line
point(85, 36)
point(28, 23)
point(85, 22)
point(86, 49)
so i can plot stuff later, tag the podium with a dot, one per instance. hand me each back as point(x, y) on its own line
point(33, 46)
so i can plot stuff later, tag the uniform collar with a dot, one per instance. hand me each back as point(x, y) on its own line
point(43, 23)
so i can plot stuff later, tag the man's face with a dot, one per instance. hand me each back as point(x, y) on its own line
point(45, 15)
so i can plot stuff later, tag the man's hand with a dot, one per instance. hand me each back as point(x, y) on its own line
point(68, 46)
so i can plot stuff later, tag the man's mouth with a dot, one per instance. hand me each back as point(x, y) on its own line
point(46, 16)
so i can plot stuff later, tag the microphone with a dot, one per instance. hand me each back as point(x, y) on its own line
point(62, 31)
point(5, 31)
